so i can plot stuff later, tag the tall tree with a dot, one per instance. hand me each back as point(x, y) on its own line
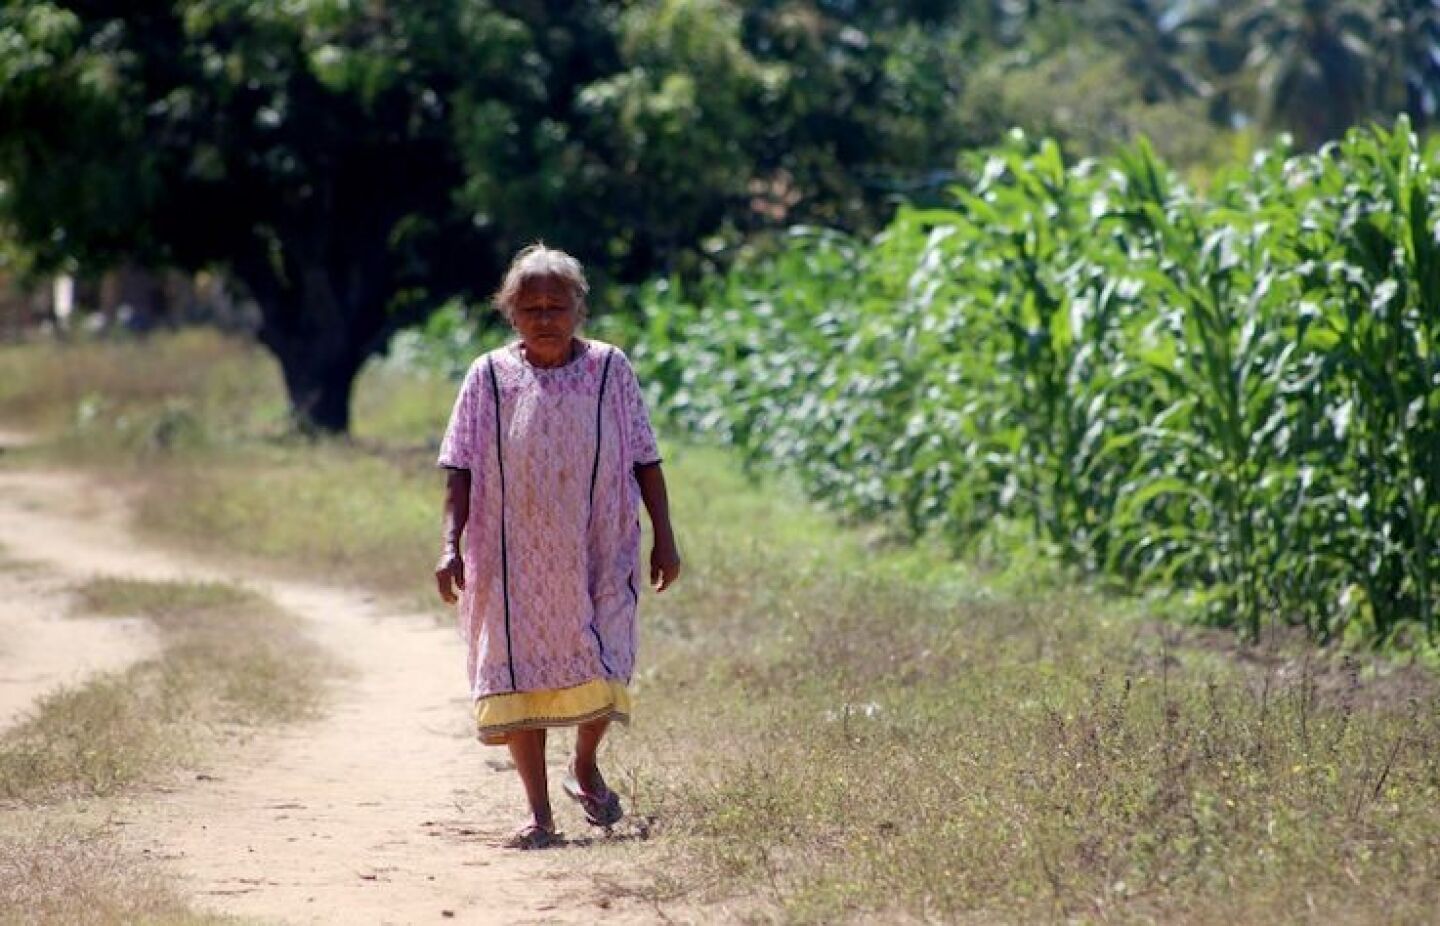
point(309, 148)
point(1315, 62)
point(1409, 47)
point(1164, 43)
point(356, 164)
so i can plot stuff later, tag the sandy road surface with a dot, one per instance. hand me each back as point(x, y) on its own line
point(44, 646)
point(383, 811)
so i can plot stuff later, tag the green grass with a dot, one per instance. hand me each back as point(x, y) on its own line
point(230, 658)
point(326, 512)
point(831, 726)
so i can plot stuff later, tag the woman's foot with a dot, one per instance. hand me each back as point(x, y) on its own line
point(533, 836)
point(601, 805)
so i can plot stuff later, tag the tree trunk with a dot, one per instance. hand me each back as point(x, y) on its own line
point(322, 316)
point(319, 341)
point(319, 387)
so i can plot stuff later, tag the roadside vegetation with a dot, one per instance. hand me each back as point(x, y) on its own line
point(232, 661)
point(71, 874)
point(1070, 422)
point(1231, 394)
point(832, 723)
point(842, 728)
point(198, 417)
point(256, 142)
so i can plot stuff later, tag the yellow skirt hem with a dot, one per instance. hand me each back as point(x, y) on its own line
point(499, 715)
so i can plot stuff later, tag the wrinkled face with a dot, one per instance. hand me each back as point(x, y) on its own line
point(545, 314)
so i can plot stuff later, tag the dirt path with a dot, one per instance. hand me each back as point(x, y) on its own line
point(384, 811)
point(43, 646)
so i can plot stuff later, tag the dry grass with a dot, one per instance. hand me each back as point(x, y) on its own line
point(833, 728)
point(395, 407)
point(326, 512)
point(75, 874)
point(195, 424)
point(10, 563)
point(851, 737)
point(231, 659)
point(109, 399)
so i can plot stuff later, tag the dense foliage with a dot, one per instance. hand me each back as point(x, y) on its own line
point(1237, 393)
point(355, 165)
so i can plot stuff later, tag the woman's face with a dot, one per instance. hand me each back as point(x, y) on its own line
point(546, 315)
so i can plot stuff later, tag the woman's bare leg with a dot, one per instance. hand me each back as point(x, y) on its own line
point(527, 748)
point(587, 744)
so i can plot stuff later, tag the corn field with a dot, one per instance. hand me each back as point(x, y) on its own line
point(1235, 394)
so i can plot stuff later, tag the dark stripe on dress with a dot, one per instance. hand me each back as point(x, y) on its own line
point(594, 474)
point(599, 419)
point(504, 552)
point(630, 579)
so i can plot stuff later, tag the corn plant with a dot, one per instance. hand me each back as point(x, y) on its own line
point(1371, 253)
point(1237, 394)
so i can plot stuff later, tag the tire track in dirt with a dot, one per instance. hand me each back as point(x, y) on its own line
point(383, 811)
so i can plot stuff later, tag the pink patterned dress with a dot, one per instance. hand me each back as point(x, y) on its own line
point(552, 544)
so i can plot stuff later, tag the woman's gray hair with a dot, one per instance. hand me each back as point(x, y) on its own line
point(538, 262)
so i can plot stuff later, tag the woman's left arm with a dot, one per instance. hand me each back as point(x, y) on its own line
point(664, 555)
point(450, 570)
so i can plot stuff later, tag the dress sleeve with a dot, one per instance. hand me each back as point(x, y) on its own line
point(464, 437)
point(639, 436)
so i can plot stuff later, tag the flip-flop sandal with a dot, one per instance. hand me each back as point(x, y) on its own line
point(532, 836)
point(600, 809)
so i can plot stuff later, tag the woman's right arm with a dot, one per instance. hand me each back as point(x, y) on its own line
point(450, 570)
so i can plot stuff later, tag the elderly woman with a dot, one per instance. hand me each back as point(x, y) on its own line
point(550, 453)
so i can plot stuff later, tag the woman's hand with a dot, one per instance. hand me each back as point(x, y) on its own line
point(450, 570)
point(450, 574)
point(664, 564)
point(664, 555)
